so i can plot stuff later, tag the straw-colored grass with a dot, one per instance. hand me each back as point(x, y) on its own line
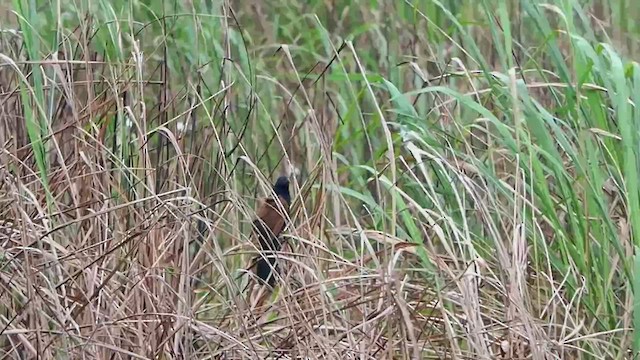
point(465, 178)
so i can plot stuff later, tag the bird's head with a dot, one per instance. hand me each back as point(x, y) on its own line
point(281, 188)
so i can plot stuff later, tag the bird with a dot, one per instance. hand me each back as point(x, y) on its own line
point(272, 215)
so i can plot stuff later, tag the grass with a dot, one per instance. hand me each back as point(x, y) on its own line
point(465, 176)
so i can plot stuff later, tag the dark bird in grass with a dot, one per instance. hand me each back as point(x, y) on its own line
point(272, 215)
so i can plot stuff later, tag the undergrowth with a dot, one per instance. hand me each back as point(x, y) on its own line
point(464, 175)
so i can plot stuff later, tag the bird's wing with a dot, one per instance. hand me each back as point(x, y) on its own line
point(270, 222)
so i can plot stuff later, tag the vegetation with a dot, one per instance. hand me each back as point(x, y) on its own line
point(465, 176)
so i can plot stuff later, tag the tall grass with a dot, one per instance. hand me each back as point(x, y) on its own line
point(465, 177)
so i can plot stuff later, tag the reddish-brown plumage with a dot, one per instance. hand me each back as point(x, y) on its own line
point(271, 221)
point(272, 216)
